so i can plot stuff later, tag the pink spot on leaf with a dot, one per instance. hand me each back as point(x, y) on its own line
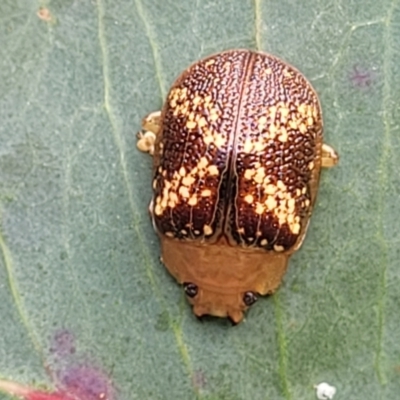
point(361, 77)
point(36, 395)
point(73, 381)
point(84, 382)
point(63, 343)
point(199, 379)
point(25, 392)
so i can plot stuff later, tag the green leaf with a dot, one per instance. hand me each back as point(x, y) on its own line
point(79, 256)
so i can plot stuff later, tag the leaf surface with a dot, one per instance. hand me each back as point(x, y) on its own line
point(80, 277)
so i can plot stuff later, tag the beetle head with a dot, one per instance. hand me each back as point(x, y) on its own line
point(220, 279)
point(211, 301)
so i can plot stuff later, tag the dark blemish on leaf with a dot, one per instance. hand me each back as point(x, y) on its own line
point(361, 77)
point(44, 14)
point(85, 382)
point(162, 323)
point(199, 379)
point(63, 255)
point(63, 343)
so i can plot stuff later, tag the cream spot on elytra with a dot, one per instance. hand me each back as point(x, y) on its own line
point(184, 187)
point(275, 199)
point(199, 114)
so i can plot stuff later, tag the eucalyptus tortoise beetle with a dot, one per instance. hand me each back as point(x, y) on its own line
point(237, 152)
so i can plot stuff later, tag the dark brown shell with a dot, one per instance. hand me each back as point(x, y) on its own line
point(239, 153)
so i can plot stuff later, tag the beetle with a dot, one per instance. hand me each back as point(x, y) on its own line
point(237, 152)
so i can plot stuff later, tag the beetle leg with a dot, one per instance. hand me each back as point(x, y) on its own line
point(329, 156)
point(152, 122)
point(150, 126)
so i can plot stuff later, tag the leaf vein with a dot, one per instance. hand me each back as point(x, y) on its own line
point(383, 179)
point(154, 48)
point(15, 293)
point(258, 24)
point(116, 130)
point(282, 346)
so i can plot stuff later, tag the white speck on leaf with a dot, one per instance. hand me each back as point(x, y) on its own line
point(324, 391)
